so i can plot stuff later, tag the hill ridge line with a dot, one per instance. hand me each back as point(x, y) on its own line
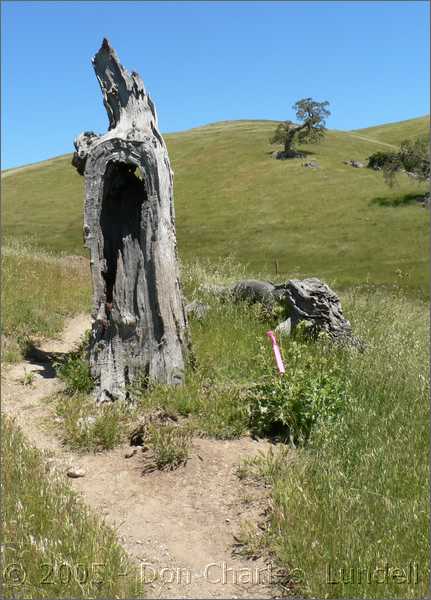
point(212, 126)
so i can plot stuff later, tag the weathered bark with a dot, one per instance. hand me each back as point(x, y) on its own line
point(308, 300)
point(140, 325)
point(313, 301)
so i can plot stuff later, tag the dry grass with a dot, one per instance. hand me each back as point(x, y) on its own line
point(53, 546)
point(38, 291)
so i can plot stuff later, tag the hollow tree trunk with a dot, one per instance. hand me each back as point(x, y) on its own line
point(140, 326)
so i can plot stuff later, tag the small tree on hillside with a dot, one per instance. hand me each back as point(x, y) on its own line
point(311, 130)
point(412, 157)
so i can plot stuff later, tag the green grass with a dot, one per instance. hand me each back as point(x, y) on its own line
point(170, 446)
point(226, 347)
point(358, 496)
point(54, 547)
point(232, 198)
point(395, 133)
point(38, 291)
point(87, 428)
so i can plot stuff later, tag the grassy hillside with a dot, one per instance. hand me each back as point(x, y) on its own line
point(36, 301)
point(395, 133)
point(339, 223)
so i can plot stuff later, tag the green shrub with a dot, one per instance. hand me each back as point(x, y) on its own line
point(74, 370)
point(313, 389)
point(379, 159)
point(415, 157)
point(170, 445)
point(412, 157)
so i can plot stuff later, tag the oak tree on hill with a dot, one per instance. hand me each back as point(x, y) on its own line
point(311, 129)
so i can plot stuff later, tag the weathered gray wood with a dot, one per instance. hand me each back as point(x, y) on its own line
point(140, 325)
point(308, 300)
point(313, 301)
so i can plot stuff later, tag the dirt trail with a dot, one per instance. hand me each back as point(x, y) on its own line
point(373, 141)
point(184, 521)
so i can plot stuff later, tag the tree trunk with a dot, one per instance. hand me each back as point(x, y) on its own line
point(140, 326)
point(289, 143)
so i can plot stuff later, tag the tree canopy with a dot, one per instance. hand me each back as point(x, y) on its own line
point(312, 115)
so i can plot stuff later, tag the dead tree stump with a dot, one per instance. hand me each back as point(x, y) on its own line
point(140, 325)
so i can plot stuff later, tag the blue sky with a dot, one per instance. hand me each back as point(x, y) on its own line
point(208, 61)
